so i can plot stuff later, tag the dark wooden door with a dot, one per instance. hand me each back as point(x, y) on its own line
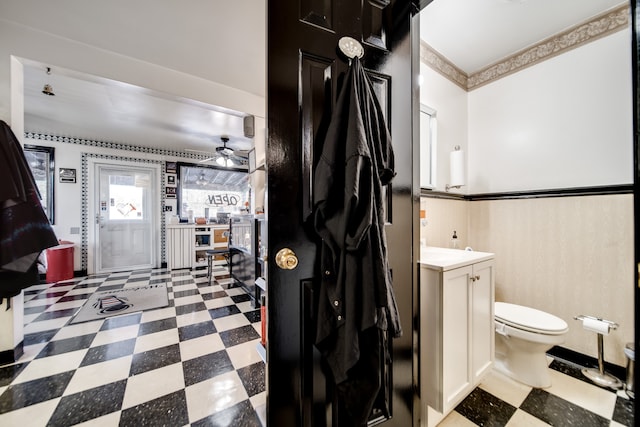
point(635, 54)
point(303, 78)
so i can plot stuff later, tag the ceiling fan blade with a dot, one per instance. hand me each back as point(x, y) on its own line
point(241, 153)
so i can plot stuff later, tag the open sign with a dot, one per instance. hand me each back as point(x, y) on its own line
point(224, 199)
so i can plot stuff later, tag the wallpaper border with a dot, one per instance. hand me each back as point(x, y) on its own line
point(600, 26)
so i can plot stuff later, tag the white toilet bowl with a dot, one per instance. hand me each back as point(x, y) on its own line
point(523, 336)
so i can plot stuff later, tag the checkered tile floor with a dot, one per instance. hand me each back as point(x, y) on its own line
point(191, 363)
point(572, 400)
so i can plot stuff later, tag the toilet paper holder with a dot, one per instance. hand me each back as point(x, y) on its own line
point(612, 325)
point(599, 376)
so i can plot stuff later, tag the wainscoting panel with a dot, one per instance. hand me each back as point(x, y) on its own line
point(565, 255)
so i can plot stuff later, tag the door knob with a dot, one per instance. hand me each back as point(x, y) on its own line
point(286, 259)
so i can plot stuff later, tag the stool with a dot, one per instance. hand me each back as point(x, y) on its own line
point(210, 254)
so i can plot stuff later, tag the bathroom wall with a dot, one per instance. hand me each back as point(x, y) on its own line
point(450, 102)
point(566, 256)
point(565, 122)
point(442, 217)
point(563, 255)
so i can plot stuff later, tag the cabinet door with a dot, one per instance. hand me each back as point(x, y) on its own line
point(179, 247)
point(455, 335)
point(482, 325)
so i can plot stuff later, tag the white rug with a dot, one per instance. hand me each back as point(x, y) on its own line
point(122, 301)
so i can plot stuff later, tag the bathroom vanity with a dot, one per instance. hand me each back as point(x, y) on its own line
point(457, 326)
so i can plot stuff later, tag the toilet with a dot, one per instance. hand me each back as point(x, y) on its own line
point(523, 336)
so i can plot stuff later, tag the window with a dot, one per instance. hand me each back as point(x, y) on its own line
point(211, 192)
point(428, 133)
point(126, 193)
point(41, 162)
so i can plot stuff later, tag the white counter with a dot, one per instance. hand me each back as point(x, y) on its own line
point(194, 225)
point(443, 259)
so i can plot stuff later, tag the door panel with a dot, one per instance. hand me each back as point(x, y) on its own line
point(316, 80)
point(304, 73)
point(125, 219)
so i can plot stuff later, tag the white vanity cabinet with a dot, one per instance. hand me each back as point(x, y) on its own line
point(456, 326)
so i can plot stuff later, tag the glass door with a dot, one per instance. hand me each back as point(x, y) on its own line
point(125, 222)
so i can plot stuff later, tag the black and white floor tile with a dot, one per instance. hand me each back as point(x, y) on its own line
point(572, 400)
point(192, 363)
point(195, 363)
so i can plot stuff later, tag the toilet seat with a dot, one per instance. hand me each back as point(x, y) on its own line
point(529, 319)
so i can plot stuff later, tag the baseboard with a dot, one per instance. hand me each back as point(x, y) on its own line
point(11, 356)
point(76, 273)
point(583, 360)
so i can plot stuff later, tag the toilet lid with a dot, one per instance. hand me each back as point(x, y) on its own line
point(529, 319)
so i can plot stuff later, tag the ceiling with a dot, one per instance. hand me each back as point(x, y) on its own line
point(473, 34)
point(218, 41)
point(99, 109)
point(231, 39)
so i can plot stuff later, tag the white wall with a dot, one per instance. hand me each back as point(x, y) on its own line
point(565, 122)
point(450, 102)
point(68, 197)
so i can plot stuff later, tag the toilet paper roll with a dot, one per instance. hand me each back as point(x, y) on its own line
point(595, 325)
point(456, 168)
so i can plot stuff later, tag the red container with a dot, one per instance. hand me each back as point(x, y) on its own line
point(60, 262)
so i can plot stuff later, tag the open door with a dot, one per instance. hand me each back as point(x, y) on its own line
point(305, 70)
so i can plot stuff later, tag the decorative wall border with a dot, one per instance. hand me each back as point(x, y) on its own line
point(85, 201)
point(122, 147)
point(442, 65)
point(600, 26)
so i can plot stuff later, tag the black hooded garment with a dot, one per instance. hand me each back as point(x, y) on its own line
point(357, 304)
point(24, 228)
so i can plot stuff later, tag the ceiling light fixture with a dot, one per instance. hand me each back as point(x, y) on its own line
point(225, 162)
point(201, 179)
point(47, 89)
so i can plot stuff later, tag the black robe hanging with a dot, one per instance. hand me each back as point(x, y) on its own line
point(357, 304)
point(24, 228)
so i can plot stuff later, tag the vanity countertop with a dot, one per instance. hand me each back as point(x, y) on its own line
point(444, 259)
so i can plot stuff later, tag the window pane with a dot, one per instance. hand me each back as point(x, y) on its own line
point(211, 192)
point(40, 160)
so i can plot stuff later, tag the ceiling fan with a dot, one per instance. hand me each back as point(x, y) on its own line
point(225, 156)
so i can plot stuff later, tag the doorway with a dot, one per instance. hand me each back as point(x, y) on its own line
point(123, 216)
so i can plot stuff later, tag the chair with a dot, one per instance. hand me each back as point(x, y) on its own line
point(211, 253)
